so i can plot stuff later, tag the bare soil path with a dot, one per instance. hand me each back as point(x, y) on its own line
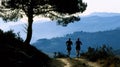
point(67, 63)
point(89, 63)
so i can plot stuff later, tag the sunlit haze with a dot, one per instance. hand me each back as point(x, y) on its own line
point(111, 6)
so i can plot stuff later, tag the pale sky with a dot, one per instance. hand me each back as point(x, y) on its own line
point(102, 6)
point(112, 6)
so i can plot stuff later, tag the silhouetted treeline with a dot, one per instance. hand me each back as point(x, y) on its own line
point(14, 53)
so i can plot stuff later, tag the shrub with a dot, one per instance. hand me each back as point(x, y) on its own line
point(10, 38)
point(99, 53)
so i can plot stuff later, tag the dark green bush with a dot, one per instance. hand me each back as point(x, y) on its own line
point(99, 53)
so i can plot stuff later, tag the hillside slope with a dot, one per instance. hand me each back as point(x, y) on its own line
point(14, 53)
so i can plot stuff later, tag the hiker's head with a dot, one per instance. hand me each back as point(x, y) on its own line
point(78, 39)
point(69, 39)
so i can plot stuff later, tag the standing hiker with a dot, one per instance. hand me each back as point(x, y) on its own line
point(78, 47)
point(68, 44)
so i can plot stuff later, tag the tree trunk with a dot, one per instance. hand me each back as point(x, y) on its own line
point(29, 28)
point(29, 31)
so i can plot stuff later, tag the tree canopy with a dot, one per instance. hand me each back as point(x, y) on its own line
point(62, 10)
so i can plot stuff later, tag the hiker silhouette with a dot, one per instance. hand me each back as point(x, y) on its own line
point(68, 44)
point(78, 47)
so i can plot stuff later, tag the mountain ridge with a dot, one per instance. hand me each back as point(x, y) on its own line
point(95, 39)
point(105, 14)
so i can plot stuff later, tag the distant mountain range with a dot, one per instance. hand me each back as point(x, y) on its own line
point(110, 38)
point(91, 23)
point(104, 14)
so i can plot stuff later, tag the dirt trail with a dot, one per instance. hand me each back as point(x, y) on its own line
point(65, 61)
point(91, 64)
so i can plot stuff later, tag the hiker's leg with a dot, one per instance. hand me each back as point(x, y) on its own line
point(69, 53)
point(77, 53)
